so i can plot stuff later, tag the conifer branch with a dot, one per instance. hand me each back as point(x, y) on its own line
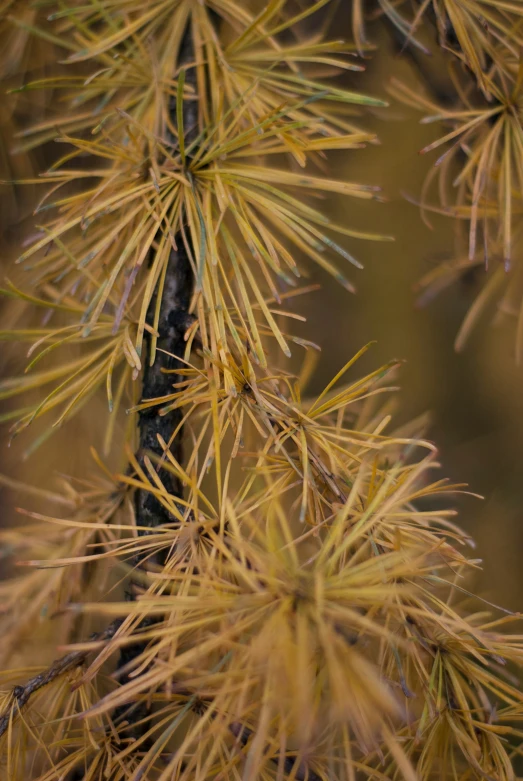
point(306, 597)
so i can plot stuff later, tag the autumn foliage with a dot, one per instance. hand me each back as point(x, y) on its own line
point(265, 585)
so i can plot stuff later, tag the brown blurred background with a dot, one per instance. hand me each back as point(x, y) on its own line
point(476, 397)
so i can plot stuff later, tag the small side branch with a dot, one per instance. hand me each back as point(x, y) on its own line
point(22, 693)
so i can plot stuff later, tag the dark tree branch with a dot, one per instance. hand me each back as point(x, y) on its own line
point(173, 322)
point(174, 319)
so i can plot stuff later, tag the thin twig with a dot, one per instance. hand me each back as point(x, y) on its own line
point(22, 693)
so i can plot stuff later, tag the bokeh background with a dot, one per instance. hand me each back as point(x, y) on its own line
point(475, 398)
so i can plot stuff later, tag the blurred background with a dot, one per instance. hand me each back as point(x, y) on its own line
point(475, 398)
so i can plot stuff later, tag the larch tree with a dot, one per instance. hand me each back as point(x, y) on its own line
point(248, 583)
